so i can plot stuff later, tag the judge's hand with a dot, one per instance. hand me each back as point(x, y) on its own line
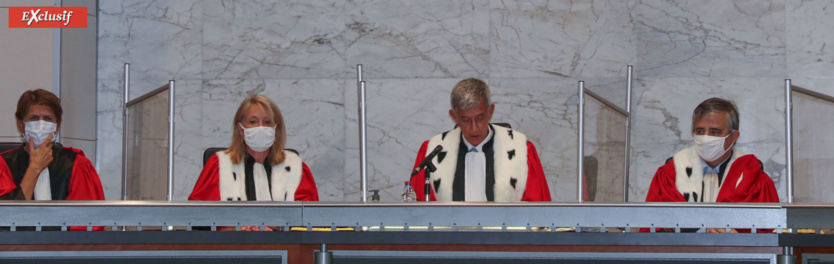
point(721, 230)
point(39, 159)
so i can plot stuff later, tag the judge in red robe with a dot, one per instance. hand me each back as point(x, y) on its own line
point(40, 169)
point(713, 170)
point(480, 161)
point(256, 167)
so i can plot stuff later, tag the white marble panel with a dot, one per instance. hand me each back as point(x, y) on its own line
point(408, 39)
point(188, 136)
point(274, 39)
point(707, 38)
point(222, 98)
point(560, 38)
point(313, 112)
point(162, 40)
point(663, 120)
point(109, 137)
point(401, 114)
point(810, 32)
point(544, 109)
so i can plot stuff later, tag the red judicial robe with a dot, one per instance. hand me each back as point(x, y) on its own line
point(71, 174)
point(680, 180)
point(513, 172)
point(290, 180)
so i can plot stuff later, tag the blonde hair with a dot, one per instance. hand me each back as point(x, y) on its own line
point(237, 151)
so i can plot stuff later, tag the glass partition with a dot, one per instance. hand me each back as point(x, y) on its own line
point(813, 142)
point(604, 152)
point(146, 148)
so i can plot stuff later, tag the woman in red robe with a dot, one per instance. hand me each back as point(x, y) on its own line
point(256, 167)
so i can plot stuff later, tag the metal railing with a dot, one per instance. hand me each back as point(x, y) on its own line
point(434, 216)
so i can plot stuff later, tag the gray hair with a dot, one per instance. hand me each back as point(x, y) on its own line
point(719, 105)
point(468, 93)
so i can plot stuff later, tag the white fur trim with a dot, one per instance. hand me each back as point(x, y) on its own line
point(503, 167)
point(445, 169)
point(688, 158)
point(230, 186)
point(284, 183)
point(506, 168)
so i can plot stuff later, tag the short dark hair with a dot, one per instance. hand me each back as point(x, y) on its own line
point(719, 105)
point(38, 97)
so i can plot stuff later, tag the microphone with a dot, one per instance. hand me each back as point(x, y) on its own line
point(427, 160)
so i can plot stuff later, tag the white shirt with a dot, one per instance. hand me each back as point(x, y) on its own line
point(475, 170)
point(712, 181)
point(43, 187)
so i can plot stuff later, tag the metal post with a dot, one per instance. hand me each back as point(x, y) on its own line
point(125, 129)
point(789, 139)
point(787, 256)
point(363, 171)
point(171, 100)
point(627, 136)
point(580, 151)
point(323, 256)
point(363, 136)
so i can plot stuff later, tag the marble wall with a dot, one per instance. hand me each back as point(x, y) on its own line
point(303, 53)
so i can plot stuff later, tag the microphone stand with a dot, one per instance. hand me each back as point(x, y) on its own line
point(428, 169)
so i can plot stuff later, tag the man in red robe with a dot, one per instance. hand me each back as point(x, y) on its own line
point(713, 170)
point(40, 169)
point(480, 161)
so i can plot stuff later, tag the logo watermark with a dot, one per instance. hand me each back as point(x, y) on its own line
point(48, 17)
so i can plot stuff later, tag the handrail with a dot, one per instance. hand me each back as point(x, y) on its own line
point(396, 215)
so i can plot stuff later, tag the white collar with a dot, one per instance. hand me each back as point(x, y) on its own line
point(479, 147)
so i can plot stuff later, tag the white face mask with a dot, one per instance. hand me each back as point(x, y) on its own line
point(710, 148)
point(38, 131)
point(258, 138)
